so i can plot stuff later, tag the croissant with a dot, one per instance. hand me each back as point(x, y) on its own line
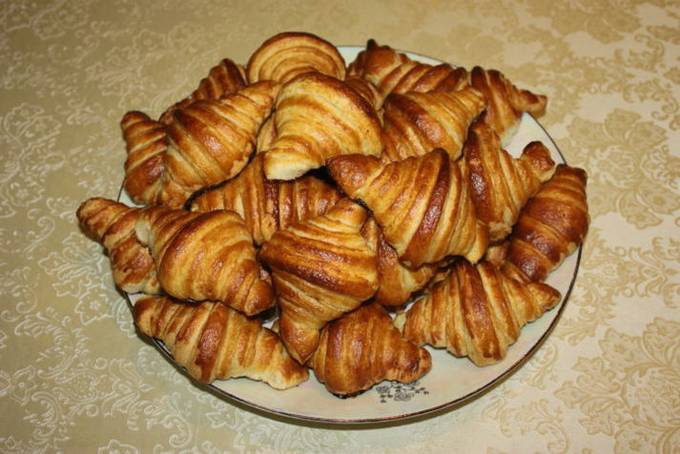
point(215, 342)
point(205, 256)
point(318, 117)
point(396, 283)
point(287, 55)
point(321, 269)
point(213, 140)
point(501, 185)
point(225, 78)
point(207, 142)
point(364, 348)
point(423, 204)
point(550, 227)
point(505, 102)
point(146, 143)
point(393, 72)
point(113, 225)
point(477, 311)
point(417, 123)
point(267, 206)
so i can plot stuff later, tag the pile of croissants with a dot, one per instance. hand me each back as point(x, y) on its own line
point(326, 196)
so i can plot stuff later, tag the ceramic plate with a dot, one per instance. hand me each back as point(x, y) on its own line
point(451, 382)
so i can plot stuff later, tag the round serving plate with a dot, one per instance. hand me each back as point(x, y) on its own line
point(452, 381)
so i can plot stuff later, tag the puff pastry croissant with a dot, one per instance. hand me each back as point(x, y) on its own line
point(423, 204)
point(223, 79)
point(215, 342)
point(505, 102)
point(393, 72)
point(289, 54)
point(396, 282)
point(205, 256)
point(477, 311)
point(267, 206)
point(417, 123)
point(113, 225)
point(206, 142)
point(550, 227)
point(364, 348)
point(502, 185)
point(321, 269)
point(318, 117)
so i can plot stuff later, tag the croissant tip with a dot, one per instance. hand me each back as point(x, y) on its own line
point(577, 172)
point(538, 155)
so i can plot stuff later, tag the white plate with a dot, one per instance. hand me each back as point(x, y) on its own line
point(451, 382)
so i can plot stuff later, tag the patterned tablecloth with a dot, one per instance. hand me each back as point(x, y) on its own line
point(74, 376)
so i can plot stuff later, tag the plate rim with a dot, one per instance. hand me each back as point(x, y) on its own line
point(383, 421)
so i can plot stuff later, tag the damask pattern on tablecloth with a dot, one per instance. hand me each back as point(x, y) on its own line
point(75, 375)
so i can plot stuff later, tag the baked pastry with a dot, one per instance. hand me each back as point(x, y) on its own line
point(550, 227)
point(396, 282)
point(417, 123)
point(505, 102)
point(423, 205)
point(223, 79)
point(500, 184)
point(267, 206)
point(289, 54)
point(394, 72)
point(318, 117)
point(364, 348)
point(477, 311)
point(207, 142)
point(113, 225)
point(205, 256)
point(321, 269)
point(214, 342)
point(211, 141)
point(146, 142)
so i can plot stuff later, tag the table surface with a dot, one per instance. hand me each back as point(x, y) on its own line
point(74, 375)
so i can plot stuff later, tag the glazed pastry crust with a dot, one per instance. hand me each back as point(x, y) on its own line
point(214, 342)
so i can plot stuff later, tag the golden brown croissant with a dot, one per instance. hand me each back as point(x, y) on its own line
point(215, 342)
point(267, 206)
point(223, 79)
point(364, 348)
point(211, 141)
point(505, 102)
point(113, 225)
point(396, 282)
point(206, 256)
point(423, 204)
point(146, 142)
point(286, 55)
point(502, 185)
point(321, 268)
point(318, 117)
point(417, 123)
point(550, 227)
point(207, 142)
point(393, 72)
point(477, 311)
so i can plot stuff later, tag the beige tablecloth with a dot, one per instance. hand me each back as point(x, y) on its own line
point(74, 376)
